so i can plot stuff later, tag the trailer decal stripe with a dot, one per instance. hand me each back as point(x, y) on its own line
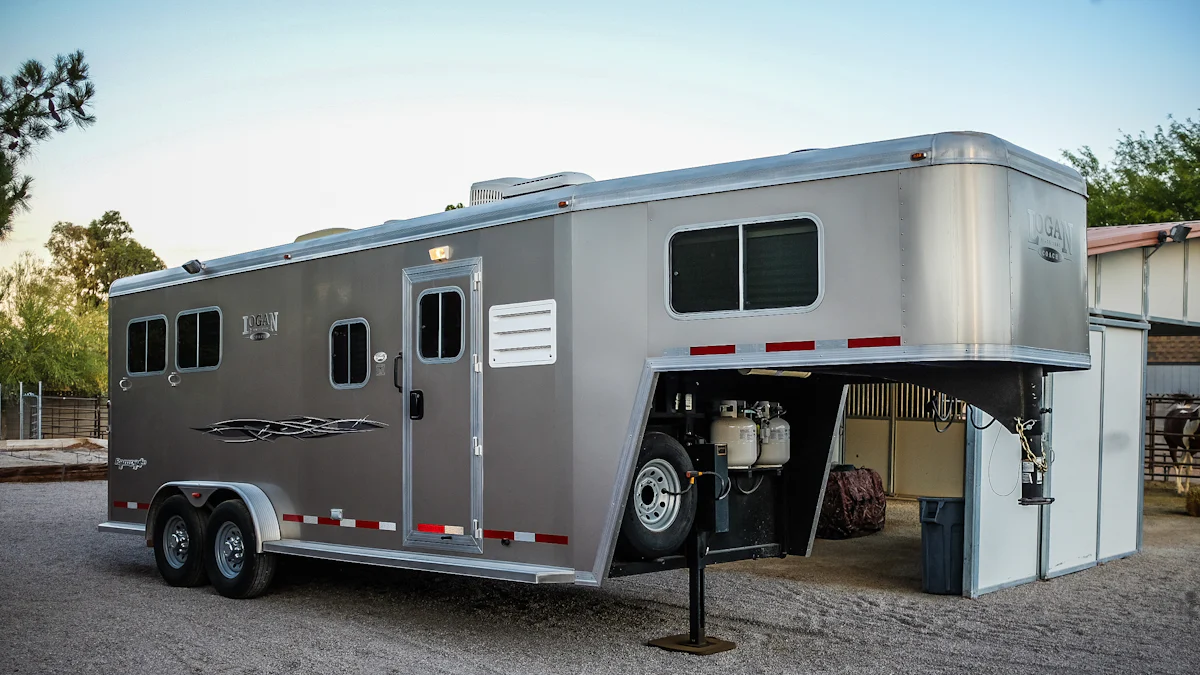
point(344, 522)
point(532, 537)
point(141, 506)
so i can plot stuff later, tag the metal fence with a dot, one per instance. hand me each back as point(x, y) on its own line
point(910, 402)
point(1158, 462)
point(26, 412)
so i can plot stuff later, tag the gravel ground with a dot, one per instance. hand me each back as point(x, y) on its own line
point(75, 600)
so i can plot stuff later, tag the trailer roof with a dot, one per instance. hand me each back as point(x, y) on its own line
point(959, 147)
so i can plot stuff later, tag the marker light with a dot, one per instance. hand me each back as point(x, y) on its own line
point(439, 254)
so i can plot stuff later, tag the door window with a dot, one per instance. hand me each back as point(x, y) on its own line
point(440, 325)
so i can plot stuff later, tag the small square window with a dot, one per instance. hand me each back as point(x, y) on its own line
point(146, 346)
point(349, 353)
point(198, 339)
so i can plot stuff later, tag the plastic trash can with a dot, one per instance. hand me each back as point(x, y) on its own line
point(942, 545)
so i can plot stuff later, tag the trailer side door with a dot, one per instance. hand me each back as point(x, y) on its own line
point(443, 401)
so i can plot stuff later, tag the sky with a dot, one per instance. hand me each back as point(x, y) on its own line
point(225, 127)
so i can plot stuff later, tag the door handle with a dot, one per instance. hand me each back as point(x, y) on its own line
point(396, 373)
point(416, 404)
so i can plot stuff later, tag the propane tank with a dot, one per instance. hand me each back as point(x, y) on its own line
point(776, 440)
point(738, 433)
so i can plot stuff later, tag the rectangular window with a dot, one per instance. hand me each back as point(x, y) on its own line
point(146, 346)
point(349, 353)
point(752, 266)
point(198, 339)
point(440, 325)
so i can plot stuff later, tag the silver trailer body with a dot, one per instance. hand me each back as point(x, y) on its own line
point(937, 254)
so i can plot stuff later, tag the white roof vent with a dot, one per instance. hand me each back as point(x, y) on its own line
point(496, 189)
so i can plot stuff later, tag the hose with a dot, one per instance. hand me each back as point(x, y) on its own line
point(752, 490)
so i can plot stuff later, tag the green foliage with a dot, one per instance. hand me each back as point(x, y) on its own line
point(45, 336)
point(451, 207)
point(1153, 179)
point(35, 103)
point(95, 256)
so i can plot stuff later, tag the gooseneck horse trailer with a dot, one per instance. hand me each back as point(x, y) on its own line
point(571, 380)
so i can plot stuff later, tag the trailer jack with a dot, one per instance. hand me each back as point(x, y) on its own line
point(695, 641)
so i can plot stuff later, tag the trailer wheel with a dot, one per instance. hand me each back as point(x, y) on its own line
point(661, 509)
point(233, 567)
point(178, 536)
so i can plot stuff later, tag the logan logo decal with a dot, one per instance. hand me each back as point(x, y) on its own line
point(134, 464)
point(259, 327)
point(1052, 238)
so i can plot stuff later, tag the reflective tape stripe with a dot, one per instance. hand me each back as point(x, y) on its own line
point(531, 537)
point(343, 522)
point(439, 529)
point(713, 349)
point(131, 505)
point(786, 346)
point(890, 341)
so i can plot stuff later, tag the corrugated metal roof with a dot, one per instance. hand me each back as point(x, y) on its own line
point(1121, 237)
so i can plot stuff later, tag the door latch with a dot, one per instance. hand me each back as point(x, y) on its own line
point(416, 404)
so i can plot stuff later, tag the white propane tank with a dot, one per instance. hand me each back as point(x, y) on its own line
point(738, 433)
point(776, 439)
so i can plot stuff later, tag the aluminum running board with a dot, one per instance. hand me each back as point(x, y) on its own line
point(487, 569)
point(122, 528)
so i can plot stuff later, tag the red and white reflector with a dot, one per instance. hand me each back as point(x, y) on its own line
point(131, 505)
point(340, 522)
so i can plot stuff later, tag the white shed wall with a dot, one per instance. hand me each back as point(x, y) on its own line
point(1167, 283)
point(1120, 281)
point(1121, 444)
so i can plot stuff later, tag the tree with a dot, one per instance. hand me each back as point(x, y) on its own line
point(95, 256)
point(451, 207)
point(35, 103)
point(1153, 179)
point(45, 336)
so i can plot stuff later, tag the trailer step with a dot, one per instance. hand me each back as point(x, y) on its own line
point(471, 567)
point(122, 528)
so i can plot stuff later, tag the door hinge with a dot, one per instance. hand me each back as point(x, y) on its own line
point(475, 526)
point(476, 446)
point(476, 364)
point(476, 280)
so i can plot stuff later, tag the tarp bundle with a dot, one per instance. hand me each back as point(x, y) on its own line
point(854, 504)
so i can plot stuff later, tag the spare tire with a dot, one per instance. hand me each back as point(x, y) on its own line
point(661, 509)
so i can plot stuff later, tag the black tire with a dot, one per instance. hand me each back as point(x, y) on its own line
point(244, 576)
point(177, 549)
point(640, 538)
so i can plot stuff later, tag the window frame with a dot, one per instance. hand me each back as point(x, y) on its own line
point(166, 345)
point(220, 339)
point(739, 223)
point(329, 360)
point(462, 328)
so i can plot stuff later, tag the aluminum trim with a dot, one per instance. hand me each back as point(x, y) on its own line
point(973, 479)
point(467, 267)
point(1119, 556)
point(349, 322)
point(1141, 470)
point(879, 156)
point(166, 345)
point(262, 511)
point(428, 562)
point(907, 354)
point(625, 467)
point(117, 527)
point(740, 223)
point(1118, 315)
point(1100, 447)
point(834, 444)
point(220, 339)
point(1118, 323)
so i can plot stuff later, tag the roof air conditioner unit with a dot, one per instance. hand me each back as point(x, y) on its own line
point(496, 189)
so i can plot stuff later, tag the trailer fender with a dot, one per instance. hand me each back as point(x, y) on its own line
point(199, 493)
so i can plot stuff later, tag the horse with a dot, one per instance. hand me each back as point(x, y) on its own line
point(1181, 431)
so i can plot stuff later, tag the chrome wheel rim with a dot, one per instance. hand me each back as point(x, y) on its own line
point(230, 550)
point(654, 495)
point(176, 542)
